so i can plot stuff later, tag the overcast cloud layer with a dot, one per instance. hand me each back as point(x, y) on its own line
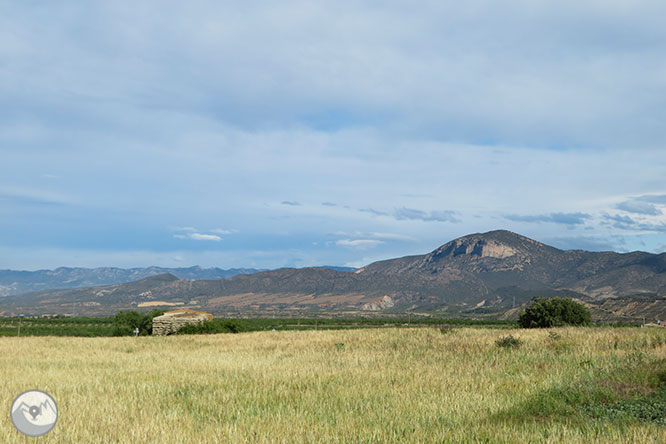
point(299, 133)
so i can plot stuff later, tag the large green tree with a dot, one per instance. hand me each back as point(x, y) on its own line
point(554, 312)
point(126, 321)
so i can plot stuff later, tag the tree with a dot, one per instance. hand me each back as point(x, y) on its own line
point(554, 312)
point(126, 321)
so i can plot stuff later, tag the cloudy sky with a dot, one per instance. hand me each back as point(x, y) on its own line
point(297, 133)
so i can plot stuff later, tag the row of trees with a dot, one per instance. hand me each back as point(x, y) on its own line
point(542, 313)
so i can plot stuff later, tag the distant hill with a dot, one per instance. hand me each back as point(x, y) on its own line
point(17, 282)
point(336, 268)
point(481, 274)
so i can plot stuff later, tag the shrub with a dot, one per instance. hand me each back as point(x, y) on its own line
point(212, 327)
point(508, 342)
point(125, 322)
point(661, 378)
point(554, 312)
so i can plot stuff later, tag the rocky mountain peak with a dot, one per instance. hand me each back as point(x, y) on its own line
point(476, 247)
point(496, 244)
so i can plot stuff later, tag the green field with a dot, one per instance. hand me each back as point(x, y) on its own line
point(391, 385)
point(100, 327)
point(87, 327)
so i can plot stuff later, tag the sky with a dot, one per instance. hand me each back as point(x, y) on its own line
point(301, 133)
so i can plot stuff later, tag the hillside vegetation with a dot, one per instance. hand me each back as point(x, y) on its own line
point(427, 385)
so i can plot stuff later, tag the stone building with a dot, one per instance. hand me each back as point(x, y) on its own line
point(174, 320)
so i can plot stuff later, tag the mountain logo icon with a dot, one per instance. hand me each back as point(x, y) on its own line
point(34, 413)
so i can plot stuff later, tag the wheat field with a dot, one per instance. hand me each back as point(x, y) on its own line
point(349, 386)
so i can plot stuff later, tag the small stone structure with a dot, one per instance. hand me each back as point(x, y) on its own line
point(174, 320)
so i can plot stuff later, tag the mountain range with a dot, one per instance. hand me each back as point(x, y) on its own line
point(483, 274)
point(14, 282)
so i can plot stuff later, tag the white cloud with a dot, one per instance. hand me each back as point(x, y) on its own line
point(223, 231)
point(205, 237)
point(393, 236)
point(360, 244)
point(192, 233)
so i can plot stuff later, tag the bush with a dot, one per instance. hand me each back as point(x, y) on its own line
point(212, 327)
point(554, 312)
point(125, 322)
point(661, 378)
point(508, 342)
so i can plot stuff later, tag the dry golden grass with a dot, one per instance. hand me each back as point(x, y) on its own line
point(382, 386)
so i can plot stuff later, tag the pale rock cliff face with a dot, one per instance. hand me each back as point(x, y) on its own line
point(481, 248)
point(385, 302)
